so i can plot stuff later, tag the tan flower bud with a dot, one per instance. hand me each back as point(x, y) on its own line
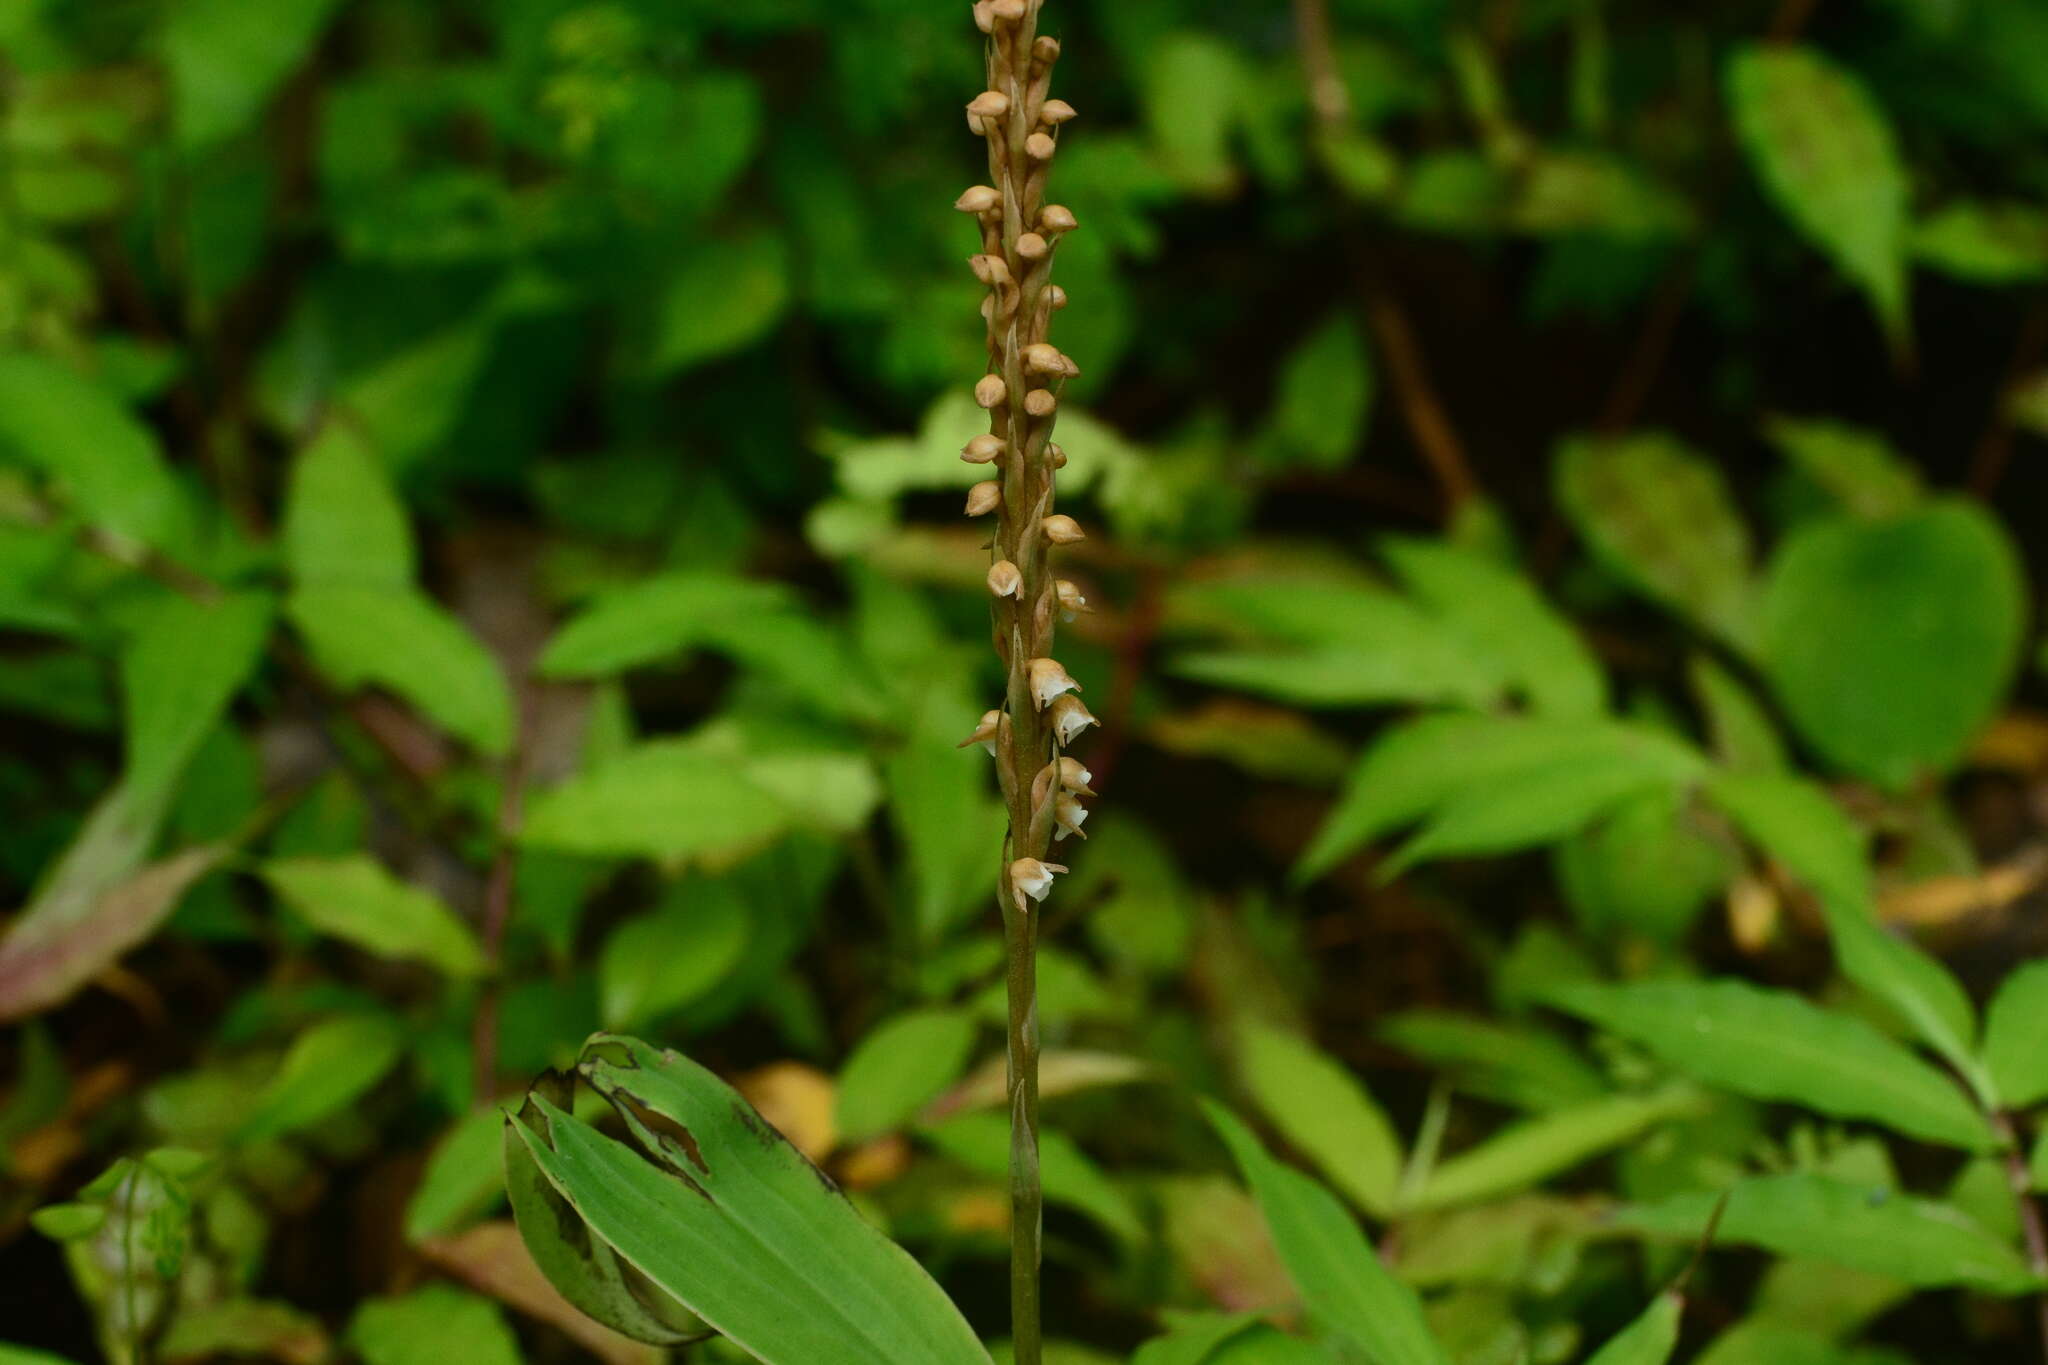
point(1070, 716)
point(1062, 529)
point(978, 199)
point(1069, 368)
point(991, 391)
point(1074, 777)
point(1004, 580)
point(1068, 816)
point(984, 498)
point(1057, 453)
point(1040, 147)
point(988, 306)
point(1058, 296)
point(1033, 247)
point(1045, 49)
point(983, 449)
point(1057, 218)
point(1048, 680)
point(1041, 403)
point(1072, 600)
point(1008, 11)
point(1032, 879)
point(990, 270)
point(989, 104)
point(984, 15)
point(986, 732)
point(1043, 358)
point(1055, 112)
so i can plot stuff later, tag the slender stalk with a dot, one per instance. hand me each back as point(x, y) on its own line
point(1025, 374)
point(2031, 1225)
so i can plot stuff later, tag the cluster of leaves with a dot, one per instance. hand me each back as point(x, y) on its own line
point(474, 570)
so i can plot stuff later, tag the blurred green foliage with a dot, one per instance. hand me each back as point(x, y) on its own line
point(478, 564)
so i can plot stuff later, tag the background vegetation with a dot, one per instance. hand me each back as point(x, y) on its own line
point(479, 562)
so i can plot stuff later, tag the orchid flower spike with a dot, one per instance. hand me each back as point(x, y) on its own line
point(1032, 879)
point(986, 732)
point(1070, 716)
point(1048, 680)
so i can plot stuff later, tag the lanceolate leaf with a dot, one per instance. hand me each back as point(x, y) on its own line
point(1538, 1148)
point(2016, 1036)
point(1826, 153)
point(343, 521)
point(1337, 1271)
point(327, 1067)
point(731, 1220)
point(900, 1066)
point(1323, 1110)
point(1774, 1045)
point(178, 675)
point(106, 463)
point(355, 899)
point(1649, 1340)
point(1873, 1229)
point(410, 644)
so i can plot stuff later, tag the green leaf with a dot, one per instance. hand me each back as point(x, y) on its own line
point(1743, 736)
point(1985, 243)
point(726, 295)
point(1323, 1110)
point(1775, 1045)
point(1326, 390)
point(433, 1325)
point(1645, 868)
point(344, 525)
point(178, 674)
point(942, 810)
point(981, 1142)
point(1193, 87)
point(1858, 468)
point(1515, 1064)
point(28, 1355)
point(1341, 1278)
point(2016, 1036)
point(328, 1068)
point(409, 644)
point(658, 617)
point(465, 1176)
point(1824, 150)
point(736, 1224)
point(1866, 1228)
point(671, 799)
point(1499, 616)
point(106, 462)
point(1195, 1339)
point(356, 899)
point(673, 955)
point(1533, 1150)
point(224, 68)
point(1659, 515)
point(1650, 1339)
point(1892, 643)
point(900, 1066)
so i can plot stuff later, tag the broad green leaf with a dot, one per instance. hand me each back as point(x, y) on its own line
point(1194, 85)
point(725, 295)
point(1325, 394)
point(736, 1224)
point(410, 644)
point(328, 1067)
point(1775, 1045)
point(178, 674)
point(355, 898)
point(1471, 769)
point(1859, 468)
point(1825, 151)
point(1796, 824)
point(344, 525)
point(2016, 1036)
point(1535, 1149)
point(899, 1067)
point(464, 1177)
point(433, 1325)
point(1985, 243)
point(1865, 1228)
point(409, 401)
point(670, 799)
point(1195, 1339)
point(105, 461)
point(1892, 643)
point(981, 1142)
point(1650, 1339)
point(1500, 616)
point(1340, 1276)
point(224, 68)
point(674, 954)
point(1324, 1111)
point(1645, 868)
point(1516, 1064)
point(658, 617)
point(582, 1267)
point(1659, 515)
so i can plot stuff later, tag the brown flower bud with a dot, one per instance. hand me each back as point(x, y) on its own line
point(1070, 716)
point(1048, 680)
point(1040, 147)
point(984, 15)
point(991, 391)
point(984, 498)
point(1040, 403)
point(983, 449)
point(1057, 453)
point(990, 270)
point(978, 199)
point(1042, 358)
point(989, 104)
point(1069, 815)
point(986, 732)
point(1057, 218)
point(1071, 597)
point(1058, 296)
point(1004, 580)
point(1033, 247)
point(1007, 11)
point(1055, 112)
point(1062, 529)
point(1046, 49)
